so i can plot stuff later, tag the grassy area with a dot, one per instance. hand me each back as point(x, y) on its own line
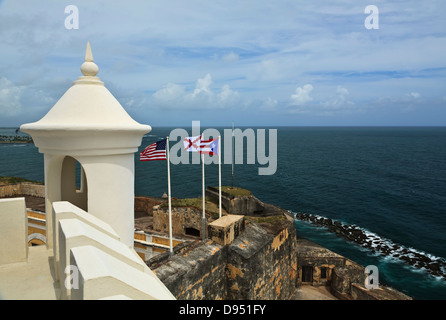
point(14, 180)
point(272, 224)
point(235, 191)
point(270, 219)
point(188, 202)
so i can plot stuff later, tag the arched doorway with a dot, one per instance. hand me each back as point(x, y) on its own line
point(192, 232)
point(36, 239)
point(60, 185)
point(74, 183)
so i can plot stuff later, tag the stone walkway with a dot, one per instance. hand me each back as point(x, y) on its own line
point(307, 292)
point(30, 280)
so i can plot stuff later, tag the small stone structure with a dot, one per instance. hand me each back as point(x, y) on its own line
point(243, 204)
point(262, 264)
point(236, 204)
point(319, 266)
point(185, 220)
point(225, 229)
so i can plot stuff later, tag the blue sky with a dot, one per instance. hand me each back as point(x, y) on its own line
point(257, 63)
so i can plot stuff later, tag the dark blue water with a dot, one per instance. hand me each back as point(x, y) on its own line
point(391, 182)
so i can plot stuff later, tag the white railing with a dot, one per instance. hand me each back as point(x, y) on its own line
point(89, 257)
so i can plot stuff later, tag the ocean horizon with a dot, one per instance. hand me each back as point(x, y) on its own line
point(389, 181)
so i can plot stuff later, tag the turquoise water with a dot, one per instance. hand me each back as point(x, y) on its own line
point(390, 182)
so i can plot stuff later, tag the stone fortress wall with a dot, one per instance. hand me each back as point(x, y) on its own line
point(22, 188)
point(263, 259)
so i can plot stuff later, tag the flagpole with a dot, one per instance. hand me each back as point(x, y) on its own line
point(219, 176)
point(204, 215)
point(169, 196)
point(233, 155)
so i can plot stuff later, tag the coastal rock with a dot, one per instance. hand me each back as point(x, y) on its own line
point(375, 244)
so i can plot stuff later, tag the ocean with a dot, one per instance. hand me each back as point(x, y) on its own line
point(388, 181)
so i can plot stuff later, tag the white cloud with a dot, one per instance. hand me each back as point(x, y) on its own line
point(230, 57)
point(227, 94)
point(302, 95)
point(9, 98)
point(203, 86)
point(202, 97)
point(415, 95)
point(171, 92)
point(323, 43)
point(340, 101)
point(269, 104)
point(133, 101)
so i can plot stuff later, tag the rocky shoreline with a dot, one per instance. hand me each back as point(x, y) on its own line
point(420, 260)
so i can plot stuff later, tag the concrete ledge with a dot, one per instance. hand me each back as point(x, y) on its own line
point(67, 210)
point(13, 231)
point(31, 280)
point(74, 233)
point(99, 270)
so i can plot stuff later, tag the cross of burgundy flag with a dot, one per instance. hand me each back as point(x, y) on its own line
point(192, 144)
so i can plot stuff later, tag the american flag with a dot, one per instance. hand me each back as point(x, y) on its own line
point(155, 151)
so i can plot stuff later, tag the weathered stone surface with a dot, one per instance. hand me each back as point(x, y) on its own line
point(244, 205)
point(22, 189)
point(144, 205)
point(257, 265)
point(343, 278)
point(316, 259)
point(262, 265)
point(196, 275)
point(183, 219)
point(227, 228)
point(359, 292)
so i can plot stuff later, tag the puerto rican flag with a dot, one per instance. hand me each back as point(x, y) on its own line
point(209, 146)
point(196, 144)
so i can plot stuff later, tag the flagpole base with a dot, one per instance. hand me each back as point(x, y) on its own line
point(204, 229)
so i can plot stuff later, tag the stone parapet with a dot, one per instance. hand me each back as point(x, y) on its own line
point(22, 189)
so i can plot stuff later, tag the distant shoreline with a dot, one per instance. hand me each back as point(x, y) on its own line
point(16, 141)
point(15, 138)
